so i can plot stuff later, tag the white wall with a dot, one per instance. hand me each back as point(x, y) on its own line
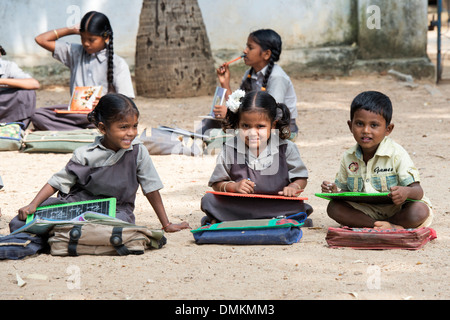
point(305, 23)
point(23, 20)
point(301, 23)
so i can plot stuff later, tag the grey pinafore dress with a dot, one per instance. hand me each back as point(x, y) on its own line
point(116, 181)
point(17, 105)
point(226, 208)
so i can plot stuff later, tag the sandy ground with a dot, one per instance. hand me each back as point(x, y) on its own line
point(305, 270)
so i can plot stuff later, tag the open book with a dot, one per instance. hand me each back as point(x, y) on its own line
point(219, 97)
point(82, 100)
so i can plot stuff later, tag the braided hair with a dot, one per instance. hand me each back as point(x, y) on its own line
point(261, 101)
point(98, 24)
point(267, 39)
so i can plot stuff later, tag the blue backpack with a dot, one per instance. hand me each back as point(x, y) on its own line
point(19, 245)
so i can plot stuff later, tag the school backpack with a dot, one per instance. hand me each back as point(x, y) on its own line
point(20, 245)
point(58, 141)
point(11, 136)
point(276, 231)
point(103, 239)
point(370, 238)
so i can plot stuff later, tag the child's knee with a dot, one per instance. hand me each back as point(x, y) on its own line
point(332, 209)
point(15, 224)
point(416, 214)
point(421, 212)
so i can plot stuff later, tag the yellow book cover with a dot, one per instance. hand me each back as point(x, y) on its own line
point(83, 98)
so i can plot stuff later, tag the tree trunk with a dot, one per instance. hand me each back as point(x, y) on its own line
point(173, 54)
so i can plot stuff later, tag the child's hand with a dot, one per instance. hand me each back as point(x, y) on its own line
point(220, 111)
point(223, 74)
point(25, 211)
point(399, 194)
point(290, 192)
point(75, 28)
point(177, 227)
point(328, 187)
point(244, 186)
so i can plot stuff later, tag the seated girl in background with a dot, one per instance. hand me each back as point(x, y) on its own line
point(93, 63)
point(259, 160)
point(17, 95)
point(115, 165)
point(262, 50)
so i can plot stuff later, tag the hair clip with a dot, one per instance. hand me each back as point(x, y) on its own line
point(286, 130)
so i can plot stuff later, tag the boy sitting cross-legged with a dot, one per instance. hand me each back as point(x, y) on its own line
point(377, 164)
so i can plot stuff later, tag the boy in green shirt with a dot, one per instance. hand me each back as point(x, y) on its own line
point(377, 164)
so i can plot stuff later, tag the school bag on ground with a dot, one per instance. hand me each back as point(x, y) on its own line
point(102, 239)
point(274, 231)
point(11, 135)
point(58, 141)
point(165, 141)
point(18, 246)
point(369, 238)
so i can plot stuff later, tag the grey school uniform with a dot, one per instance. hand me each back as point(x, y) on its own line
point(95, 172)
point(277, 166)
point(85, 70)
point(279, 86)
point(16, 105)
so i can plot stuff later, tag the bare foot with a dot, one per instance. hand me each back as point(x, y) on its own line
point(386, 225)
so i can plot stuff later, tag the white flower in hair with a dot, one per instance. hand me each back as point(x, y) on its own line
point(234, 100)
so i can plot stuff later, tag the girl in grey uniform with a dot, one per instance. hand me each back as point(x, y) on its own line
point(262, 51)
point(259, 159)
point(115, 165)
point(93, 63)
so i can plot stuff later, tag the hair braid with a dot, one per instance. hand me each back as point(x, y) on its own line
point(267, 75)
point(111, 64)
point(98, 24)
point(246, 84)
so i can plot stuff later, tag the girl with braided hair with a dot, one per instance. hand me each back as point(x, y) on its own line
point(93, 63)
point(263, 50)
point(258, 159)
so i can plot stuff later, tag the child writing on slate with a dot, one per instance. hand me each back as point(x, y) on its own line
point(377, 164)
point(114, 165)
point(257, 160)
point(263, 50)
point(91, 63)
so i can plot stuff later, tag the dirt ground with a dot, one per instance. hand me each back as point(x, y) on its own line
point(305, 270)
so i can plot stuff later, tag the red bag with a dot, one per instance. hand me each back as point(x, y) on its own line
point(368, 238)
